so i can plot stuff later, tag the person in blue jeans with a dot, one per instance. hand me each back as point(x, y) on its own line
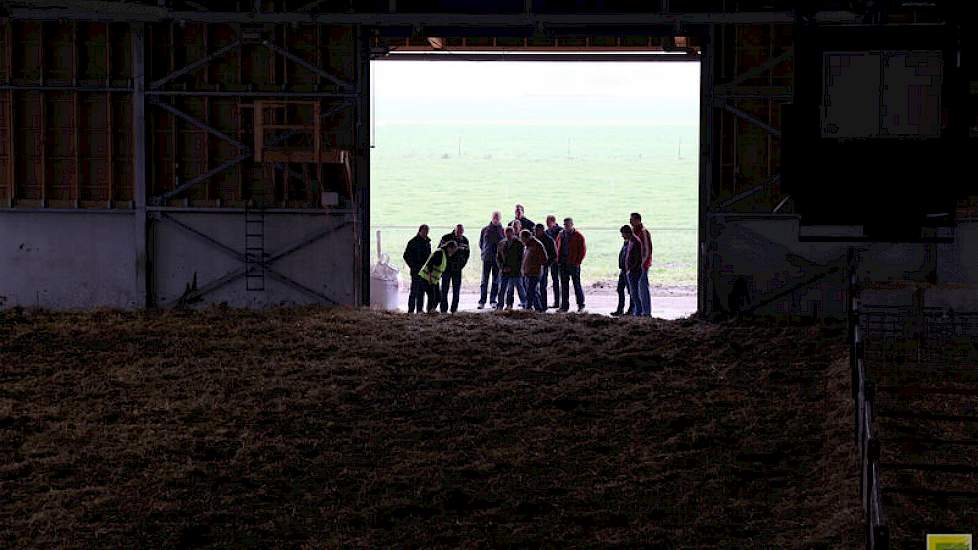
point(534, 259)
point(623, 283)
point(551, 248)
point(491, 236)
point(633, 268)
point(552, 231)
point(645, 238)
point(518, 228)
point(571, 249)
point(509, 254)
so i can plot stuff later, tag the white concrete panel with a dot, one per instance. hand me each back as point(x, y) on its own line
point(66, 260)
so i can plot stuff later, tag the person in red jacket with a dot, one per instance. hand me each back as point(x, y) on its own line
point(645, 238)
point(571, 250)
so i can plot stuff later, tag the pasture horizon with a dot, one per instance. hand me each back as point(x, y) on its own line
point(453, 141)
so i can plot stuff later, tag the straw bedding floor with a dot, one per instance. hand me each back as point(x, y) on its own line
point(332, 427)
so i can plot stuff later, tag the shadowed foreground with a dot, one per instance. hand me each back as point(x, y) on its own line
point(335, 427)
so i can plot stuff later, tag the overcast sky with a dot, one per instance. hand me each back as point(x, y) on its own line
point(535, 92)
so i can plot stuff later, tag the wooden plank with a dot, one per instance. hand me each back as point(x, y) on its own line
point(924, 467)
point(927, 416)
point(913, 491)
point(926, 390)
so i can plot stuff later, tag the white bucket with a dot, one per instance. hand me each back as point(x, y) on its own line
point(384, 284)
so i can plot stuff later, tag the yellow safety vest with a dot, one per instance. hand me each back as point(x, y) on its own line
point(432, 273)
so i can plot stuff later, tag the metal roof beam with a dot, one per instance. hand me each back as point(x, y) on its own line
point(114, 12)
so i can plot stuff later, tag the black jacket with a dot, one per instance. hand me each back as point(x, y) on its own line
point(491, 236)
point(550, 246)
point(461, 257)
point(417, 252)
point(621, 255)
point(552, 232)
point(509, 255)
point(525, 223)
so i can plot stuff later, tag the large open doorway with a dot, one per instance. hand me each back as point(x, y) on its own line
point(455, 140)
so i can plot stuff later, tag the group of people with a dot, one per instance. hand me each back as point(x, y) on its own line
point(518, 260)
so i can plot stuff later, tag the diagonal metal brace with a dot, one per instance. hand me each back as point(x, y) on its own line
point(235, 274)
point(758, 70)
point(196, 123)
point(299, 61)
point(752, 119)
point(194, 66)
point(205, 176)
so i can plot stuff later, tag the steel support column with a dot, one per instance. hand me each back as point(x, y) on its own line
point(704, 292)
point(143, 266)
point(362, 168)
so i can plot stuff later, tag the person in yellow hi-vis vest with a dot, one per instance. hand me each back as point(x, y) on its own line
point(433, 269)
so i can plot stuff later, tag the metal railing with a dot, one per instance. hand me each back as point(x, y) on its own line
point(864, 395)
point(925, 350)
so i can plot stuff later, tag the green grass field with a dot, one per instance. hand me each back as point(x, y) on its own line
point(419, 177)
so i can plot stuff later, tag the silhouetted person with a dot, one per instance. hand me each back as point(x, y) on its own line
point(553, 230)
point(433, 269)
point(645, 238)
point(417, 251)
point(571, 250)
point(534, 260)
point(509, 254)
point(525, 223)
point(453, 275)
point(633, 269)
point(622, 277)
point(491, 235)
point(551, 247)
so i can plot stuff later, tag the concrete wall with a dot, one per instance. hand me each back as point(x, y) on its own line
point(64, 260)
point(179, 258)
point(86, 259)
point(765, 254)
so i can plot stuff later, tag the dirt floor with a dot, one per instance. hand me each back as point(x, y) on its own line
point(332, 427)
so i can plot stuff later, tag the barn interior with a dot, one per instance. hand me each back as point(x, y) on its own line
point(187, 184)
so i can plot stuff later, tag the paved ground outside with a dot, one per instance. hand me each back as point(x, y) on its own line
point(670, 302)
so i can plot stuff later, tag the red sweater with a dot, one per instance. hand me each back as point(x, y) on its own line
point(576, 247)
point(644, 237)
